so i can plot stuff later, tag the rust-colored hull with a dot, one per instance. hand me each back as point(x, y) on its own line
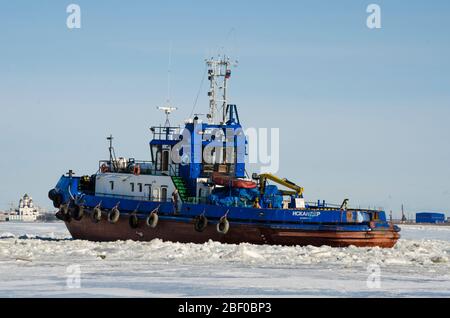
point(170, 230)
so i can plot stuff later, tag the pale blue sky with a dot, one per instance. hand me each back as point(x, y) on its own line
point(363, 113)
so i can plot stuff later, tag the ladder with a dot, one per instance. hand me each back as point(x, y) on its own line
point(181, 187)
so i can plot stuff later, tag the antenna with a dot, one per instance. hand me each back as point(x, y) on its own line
point(167, 110)
point(112, 153)
point(403, 215)
point(169, 66)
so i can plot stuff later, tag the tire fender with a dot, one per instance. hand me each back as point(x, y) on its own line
point(77, 212)
point(133, 221)
point(152, 220)
point(223, 226)
point(96, 214)
point(114, 215)
point(200, 223)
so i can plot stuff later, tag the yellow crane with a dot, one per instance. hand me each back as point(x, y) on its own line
point(297, 190)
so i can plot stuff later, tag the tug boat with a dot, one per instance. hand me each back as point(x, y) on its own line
point(195, 189)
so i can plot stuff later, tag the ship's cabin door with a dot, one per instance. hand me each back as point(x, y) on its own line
point(165, 160)
point(163, 194)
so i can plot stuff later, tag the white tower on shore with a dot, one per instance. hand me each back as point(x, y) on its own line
point(26, 211)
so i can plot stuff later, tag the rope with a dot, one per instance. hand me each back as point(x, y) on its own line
point(156, 209)
point(199, 90)
point(70, 192)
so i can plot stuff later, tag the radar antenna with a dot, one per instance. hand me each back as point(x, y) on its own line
point(167, 110)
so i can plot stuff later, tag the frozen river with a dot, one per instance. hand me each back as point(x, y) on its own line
point(40, 260)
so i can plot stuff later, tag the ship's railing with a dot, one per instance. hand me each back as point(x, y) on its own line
point(196, 200)
point(165, 133)
point(174, 169)
point(135, 197)
point(326, 205)
point(322, 204)
point(145, 167)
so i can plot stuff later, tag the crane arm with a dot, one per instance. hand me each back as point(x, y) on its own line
point(284, 182)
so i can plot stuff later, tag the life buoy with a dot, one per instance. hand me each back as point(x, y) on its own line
point(133, 221)
point(223, 226)
point(152, 220)
point(104, 168)
point(137, 170)
point(200, 223)
point(114, 215)
point(372, 224)
point(97, 215)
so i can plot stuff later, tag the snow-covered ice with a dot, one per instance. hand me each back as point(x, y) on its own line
point(36, 260)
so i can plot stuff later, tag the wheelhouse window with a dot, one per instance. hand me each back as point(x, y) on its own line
point(140, 187)
point(111, 184)
point(158, 160)
point(132, 186)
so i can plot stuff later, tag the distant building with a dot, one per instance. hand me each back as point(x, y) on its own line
point(430, 217)
point(3, 216)
point(25, 212)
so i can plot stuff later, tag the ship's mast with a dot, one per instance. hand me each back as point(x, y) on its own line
point(219, 71)
point(112, 154)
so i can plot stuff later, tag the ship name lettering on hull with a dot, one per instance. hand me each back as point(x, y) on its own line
point(305, 214)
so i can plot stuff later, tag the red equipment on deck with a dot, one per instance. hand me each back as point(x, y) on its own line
point(228, 181)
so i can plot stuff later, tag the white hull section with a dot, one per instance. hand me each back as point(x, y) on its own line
point(136, 187)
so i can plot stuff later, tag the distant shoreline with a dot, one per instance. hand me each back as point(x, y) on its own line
point(414, 223)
